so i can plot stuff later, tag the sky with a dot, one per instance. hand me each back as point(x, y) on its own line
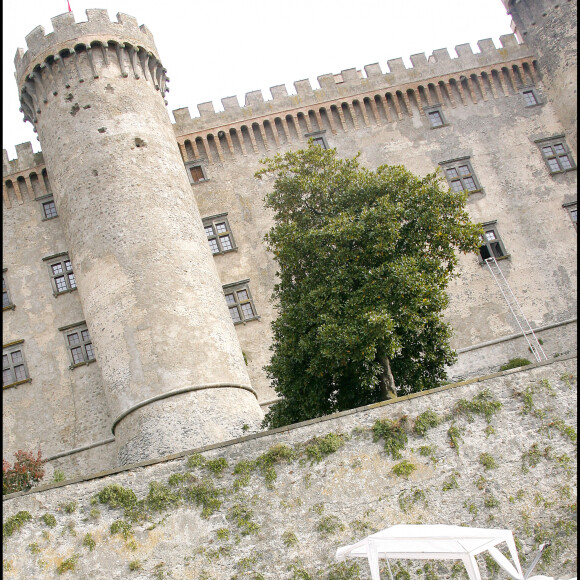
point(220, 48)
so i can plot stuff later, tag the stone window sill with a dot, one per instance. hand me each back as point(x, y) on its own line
point(506, 257)
point(224, 252)
point(56, 294)
point(82, 364)
point(16, 384)
point(247, 320)
point(48, 219)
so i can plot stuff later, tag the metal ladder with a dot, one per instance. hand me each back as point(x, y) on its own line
point(516, 310)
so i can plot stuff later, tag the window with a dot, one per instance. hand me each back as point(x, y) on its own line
point(218, 234)
point(49, 210)
point(492, 245)
point(195, 172)
point(79, 344)
point(435, 116)
point(61, 273)
point(530, 97)
point(460, 176)
point(556, 154)
point(48, 207)
point(6, 301)
point(318, 138)
point(572, 210)
point(239, 301)
point(14, 370)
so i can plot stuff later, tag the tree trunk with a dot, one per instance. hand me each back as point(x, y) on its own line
point(387, 381)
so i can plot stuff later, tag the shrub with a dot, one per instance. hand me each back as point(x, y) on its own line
point(320, 447)
point(426, 421)
point(514, 363)
point(49, 520)
point(392, 432)
point(487, 461)
point(26, 472)
point(68, 565)
point(15, 522)
point(404, 468)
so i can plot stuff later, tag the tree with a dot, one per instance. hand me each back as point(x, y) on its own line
point(26, 472)
point(364, 260)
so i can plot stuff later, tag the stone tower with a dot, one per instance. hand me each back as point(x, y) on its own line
point(172, 368)
point(550, 28)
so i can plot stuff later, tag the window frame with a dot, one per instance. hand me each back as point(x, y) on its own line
point(5, 292)
point(213, 221)
point(572, 206)
point(436, 108)
point(488, 227)
point(455, 164)
point(553, 142)
point(78, 328)
point(189, 165)
point(318, 136)
point(53, 260)
point(44, 200)
point(535, 94)
point(8, 349)
point(233, 289)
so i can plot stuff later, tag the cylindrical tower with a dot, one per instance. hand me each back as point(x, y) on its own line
point(172, 367)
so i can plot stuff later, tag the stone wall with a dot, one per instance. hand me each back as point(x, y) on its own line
point(276, 505)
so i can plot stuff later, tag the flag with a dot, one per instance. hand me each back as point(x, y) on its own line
point(68, 3)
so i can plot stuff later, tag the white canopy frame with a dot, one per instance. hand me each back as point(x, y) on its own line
point(436, 542)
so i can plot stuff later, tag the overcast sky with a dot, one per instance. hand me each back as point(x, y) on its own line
point(222, 48)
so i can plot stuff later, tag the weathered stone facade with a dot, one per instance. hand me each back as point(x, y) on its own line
point(146, 345)
point(276, 505)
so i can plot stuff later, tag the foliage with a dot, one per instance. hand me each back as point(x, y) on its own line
point(408, 499)
point(454, 434)
point(451, 483)
point(364, 260)
point(49, 520)
point(135, 565)
point(393, 434)
point(487, 461)
point(15, 522)
point(206, 495)
point(329, 525)
point(482, 404)
point(243, 515)
point(160, 497)
point(344, 571)
point(216, 466)
point(122, 527)
point(70, 507)
point(514, 363)
point(68, 565)
point(320, 447)
point(289, 538)
point(89, 542)
point(58, 476)
point(26, 471)
point(404, 468)
point(426, 421)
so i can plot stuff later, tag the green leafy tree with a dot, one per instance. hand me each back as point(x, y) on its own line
point(364, 261)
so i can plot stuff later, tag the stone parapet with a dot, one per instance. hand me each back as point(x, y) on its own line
point(352, 82)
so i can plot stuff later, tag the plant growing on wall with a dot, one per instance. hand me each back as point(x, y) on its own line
point(26, 471)
point(364, 261)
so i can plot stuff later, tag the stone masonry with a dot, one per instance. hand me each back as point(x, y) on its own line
point(226, 511)
point(139, 207)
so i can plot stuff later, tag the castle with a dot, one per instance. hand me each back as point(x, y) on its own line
point(136, 286)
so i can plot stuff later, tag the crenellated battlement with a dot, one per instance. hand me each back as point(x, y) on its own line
point(78, 51)
point(352, 82)
point(98, 26)
point(26, 159)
